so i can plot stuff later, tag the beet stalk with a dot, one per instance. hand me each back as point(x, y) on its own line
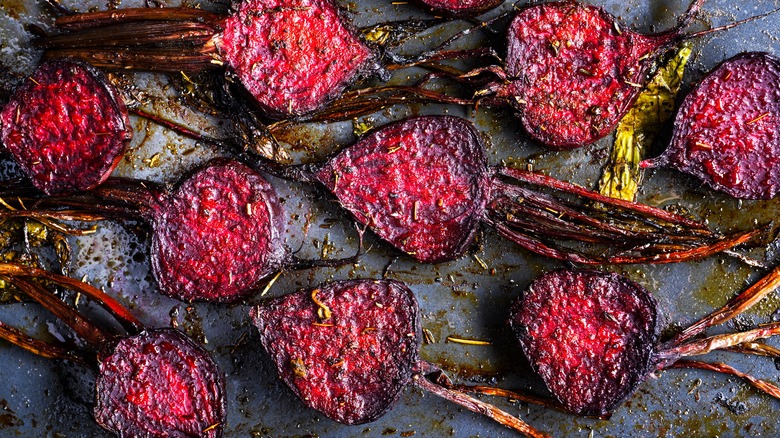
point(593, 336)
point(423, 185)
point(726, 130)
point(215, 236)
point(348, 349)
point(150, 382)
point(66, 127)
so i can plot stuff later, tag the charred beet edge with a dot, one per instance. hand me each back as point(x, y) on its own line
point(66, 127)
point(348, 348)
point(214, 237)
point(726, 130)
point(159, 381)
point(589, 335)
point(460, 8)
point(423, 185)
point(592, 336)
point(293, 56)
point(150, 382)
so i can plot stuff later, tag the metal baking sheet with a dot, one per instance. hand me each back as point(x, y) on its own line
point(467, 297)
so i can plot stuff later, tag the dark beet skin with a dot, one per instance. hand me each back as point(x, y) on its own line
point(573, 72)
point(293, 55)
point(420, 184)
point(460, 8)
point(218, 234)
point(66, 127)
point(160, 383)
point(590, 335)
point(727, 130)
point(353, 365)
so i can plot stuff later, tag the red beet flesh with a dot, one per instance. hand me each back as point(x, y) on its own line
point(294, 55)
point(218, 234)
point(727, 130)
point(159, 383)
point(66, 127)
point(419, 184)
point(353, 365)
point(573, 73)
point(461, 8)
point(590, 336)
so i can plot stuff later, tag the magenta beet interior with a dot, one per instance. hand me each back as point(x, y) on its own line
point(66, 127)
point(293, 56)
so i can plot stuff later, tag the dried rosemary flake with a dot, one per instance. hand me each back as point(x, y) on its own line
point(456, 340)
point(323, 311)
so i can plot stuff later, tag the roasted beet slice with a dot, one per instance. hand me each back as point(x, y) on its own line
point(423, 185)
point(159, 383)
point(592, 336)
point(348, 348)
point(292, 55)
point(218, 234)
point(461, 8)
point(727, 130)
point(66, 127)
point(149, 383)
point(420, 184)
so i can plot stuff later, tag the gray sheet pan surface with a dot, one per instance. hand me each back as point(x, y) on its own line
point(461, 298)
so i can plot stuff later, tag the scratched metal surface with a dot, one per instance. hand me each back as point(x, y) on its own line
point(463, 298)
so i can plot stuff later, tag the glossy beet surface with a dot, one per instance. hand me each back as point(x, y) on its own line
point(574, 72)
point(351, 361)
point(420, 184)
point(293, 55)
point(460, 8)
point(66, 127)
point(159, 383)
point(727, 130)
point(218, 234)
point(590, 336)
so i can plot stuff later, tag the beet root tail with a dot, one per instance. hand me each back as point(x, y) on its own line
point(479, 407)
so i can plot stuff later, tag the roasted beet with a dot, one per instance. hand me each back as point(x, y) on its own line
point(348, 348)
point(292, 55)
point(726, 130)
point(460, 8)
point(158, 382)
point(592, 336)
point(149, 383)
point(358, 354)
point(214, 237)
point(423, 185)
point(66, 127)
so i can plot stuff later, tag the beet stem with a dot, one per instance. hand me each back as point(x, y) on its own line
point(155, 39)
point(718, 342)
point(479, 407)
point(728, 26)
point(90, 333)
point(761, 385)
point(122, 315)
point(756, 348)
point(35, 346)
point(519, 396)
point(736, 306)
